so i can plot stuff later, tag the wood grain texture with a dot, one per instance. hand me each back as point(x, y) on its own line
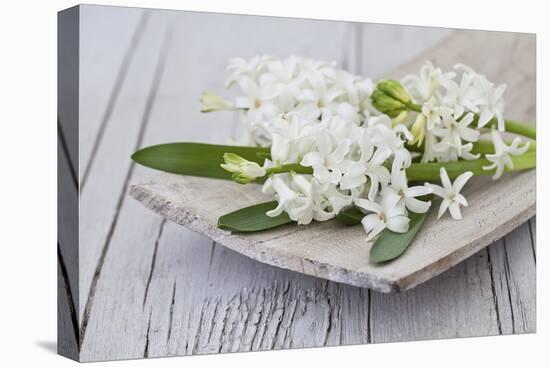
point(162, 290)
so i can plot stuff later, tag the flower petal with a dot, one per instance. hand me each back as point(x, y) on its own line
point(437, 190)
point(461, 181)
point(313, 159)
point(445, 178)
point(454, 209)
point(399, 224)
point(417, 206)
point(368, 205)
point(415, 191)
point(370, 222)
point(277, 211)
point(484, 117)
point(461, 200)
point(375, 231)
point(443, 207)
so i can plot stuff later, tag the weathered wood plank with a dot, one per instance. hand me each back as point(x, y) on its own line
point(102, 197)
point(458, 303)
point(263, 308)
point(231, 303)
point(514, 273)
point(109, 38)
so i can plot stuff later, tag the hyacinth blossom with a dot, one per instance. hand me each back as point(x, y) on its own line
point(337, 141)
point(325, 143)
point(314, 90)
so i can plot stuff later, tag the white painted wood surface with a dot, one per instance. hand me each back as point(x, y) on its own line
point(150, 288)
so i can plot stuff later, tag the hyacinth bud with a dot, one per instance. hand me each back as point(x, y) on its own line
point(385, 104)
point(212, 102)
point(395, 90)
point(390, 97)
point(244, 171)
point(418, 129)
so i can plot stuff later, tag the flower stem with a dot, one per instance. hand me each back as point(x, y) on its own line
point(414, 107)
point(430, 171)
point(480, 146)
point(515, 127)
point(293, 167)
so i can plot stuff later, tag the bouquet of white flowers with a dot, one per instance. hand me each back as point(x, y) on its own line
point(328, 144)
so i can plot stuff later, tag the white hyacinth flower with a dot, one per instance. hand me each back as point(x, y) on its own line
point(303, 198)
point(386, 212)
point(493, 106)
point(258, 101)
point(455, 131)
point(489, 99)
point(240, 67)
point(316, 90)
point(328, 160)
point(386, 137)
point(430, 109)
point(501, 157)
point(467, 152)
point(287, 198)
point(292, 137)
point(448, 153)
point(425, 85)
point(284, 80)
point(461, 97)
point(312, 114)
point(369, 164)
point(430, 142)
point(320, 99)
point(450, 193)
point(408, 194)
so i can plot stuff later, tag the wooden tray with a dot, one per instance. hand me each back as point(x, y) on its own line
point(339, 253)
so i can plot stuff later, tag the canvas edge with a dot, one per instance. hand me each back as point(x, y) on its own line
point(68, 49)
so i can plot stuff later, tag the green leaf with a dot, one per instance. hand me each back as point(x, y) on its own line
point(391, 245)
point(195, 159)
point(252, 219)
point(350, 216)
